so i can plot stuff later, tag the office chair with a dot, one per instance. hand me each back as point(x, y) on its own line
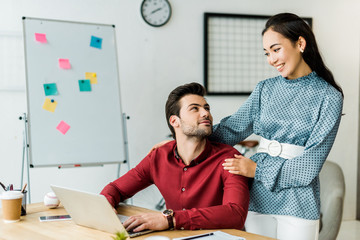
point(332, 191)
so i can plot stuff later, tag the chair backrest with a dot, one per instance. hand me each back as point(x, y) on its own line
point(332, 192)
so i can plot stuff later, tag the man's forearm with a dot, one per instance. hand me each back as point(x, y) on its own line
point(223, 216)
point(111, 194)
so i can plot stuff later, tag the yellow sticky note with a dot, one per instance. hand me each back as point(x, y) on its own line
point(91, 76)
point(50, 105)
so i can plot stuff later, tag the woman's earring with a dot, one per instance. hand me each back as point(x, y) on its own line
point(301, 50)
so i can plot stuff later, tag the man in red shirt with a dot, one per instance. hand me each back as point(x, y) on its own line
point(198, 192)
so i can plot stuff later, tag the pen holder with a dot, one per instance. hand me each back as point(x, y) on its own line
point(23, 203)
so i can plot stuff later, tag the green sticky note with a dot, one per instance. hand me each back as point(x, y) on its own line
point(50, 89)
point(85, 85)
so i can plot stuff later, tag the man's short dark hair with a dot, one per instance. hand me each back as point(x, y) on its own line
point(172, 106)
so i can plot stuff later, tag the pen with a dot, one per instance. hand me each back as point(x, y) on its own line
point(23, 189)
point(3, 186)
point(199, 236)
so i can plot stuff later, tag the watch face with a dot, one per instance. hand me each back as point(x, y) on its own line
point(156, 12)
point(168, 212)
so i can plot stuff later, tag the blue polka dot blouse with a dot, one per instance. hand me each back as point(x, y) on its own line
point(305, 112)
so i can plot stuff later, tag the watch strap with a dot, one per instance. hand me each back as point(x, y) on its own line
point(169, 213)
point(170, 221)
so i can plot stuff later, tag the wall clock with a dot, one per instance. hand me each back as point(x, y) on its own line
point(156, 13)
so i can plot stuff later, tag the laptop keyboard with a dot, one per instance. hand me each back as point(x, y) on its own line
point(135, 234)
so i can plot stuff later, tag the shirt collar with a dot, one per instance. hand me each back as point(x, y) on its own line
point(203, 155)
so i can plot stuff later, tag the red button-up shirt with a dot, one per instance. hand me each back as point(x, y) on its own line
point(203, 195)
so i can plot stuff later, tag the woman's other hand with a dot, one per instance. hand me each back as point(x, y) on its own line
point(240, 165)
point(158, 145)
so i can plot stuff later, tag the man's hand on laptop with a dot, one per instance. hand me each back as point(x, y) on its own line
point(152, 221)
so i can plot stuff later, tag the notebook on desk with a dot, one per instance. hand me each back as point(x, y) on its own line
point(218, 235)
point(92, 210)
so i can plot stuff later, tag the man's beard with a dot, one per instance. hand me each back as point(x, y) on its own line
point(195, 131)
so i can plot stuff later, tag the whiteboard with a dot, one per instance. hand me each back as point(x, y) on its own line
point(93, 132)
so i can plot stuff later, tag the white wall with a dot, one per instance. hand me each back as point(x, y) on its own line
point(153, 61)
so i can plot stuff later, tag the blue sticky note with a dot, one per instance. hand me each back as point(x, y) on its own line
point(96, 42)
point(85, 85)
point(50, 89)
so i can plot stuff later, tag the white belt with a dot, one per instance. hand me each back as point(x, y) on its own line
point(276, 149)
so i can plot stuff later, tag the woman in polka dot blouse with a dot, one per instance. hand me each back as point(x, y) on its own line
point(297, 114)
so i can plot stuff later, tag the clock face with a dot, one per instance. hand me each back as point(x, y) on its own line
point(156, 12)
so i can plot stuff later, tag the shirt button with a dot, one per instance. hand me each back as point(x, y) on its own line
point(185, 169)
point(184, 209)
point(182, 228)
point(183, 189)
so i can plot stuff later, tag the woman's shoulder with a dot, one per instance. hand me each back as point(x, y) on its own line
point(333, 96)
point(326, 93)
point(267, 84)
point(271, 80)
point(329, 90)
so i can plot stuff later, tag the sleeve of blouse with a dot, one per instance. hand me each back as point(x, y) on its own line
point(301, 171)
point(238, 126)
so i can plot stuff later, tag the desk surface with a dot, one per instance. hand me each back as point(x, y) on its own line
point(31, 228)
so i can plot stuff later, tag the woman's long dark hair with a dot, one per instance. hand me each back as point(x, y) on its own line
point(292, 27)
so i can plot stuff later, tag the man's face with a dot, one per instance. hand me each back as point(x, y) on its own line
point(195, 117)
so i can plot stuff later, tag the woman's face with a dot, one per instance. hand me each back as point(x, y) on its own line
point(284, 55)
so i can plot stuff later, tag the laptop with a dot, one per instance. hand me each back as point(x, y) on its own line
point(93, 211)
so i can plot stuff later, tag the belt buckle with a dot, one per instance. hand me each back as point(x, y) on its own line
point(274, 148)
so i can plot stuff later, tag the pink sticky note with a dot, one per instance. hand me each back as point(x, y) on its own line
point(40, 37)
point(64, 63)
point(63, 127)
